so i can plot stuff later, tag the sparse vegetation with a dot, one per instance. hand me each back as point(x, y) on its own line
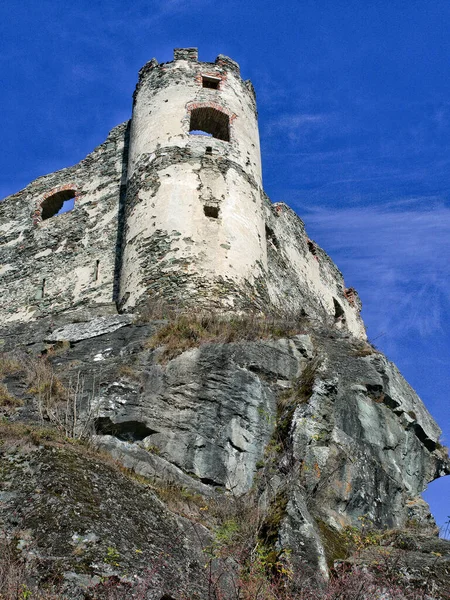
point(6, 399)
point(299, 393)
point(189, 330)
point(56, 403)
point(129, 372)
point(363, 349)
point(9, 365)
point(244, 552)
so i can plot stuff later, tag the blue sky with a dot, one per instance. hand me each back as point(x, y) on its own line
point(354, 112)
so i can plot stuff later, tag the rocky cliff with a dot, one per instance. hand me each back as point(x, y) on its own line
point(310, 429)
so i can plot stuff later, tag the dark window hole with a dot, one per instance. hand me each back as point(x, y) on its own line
point(41, 292)
point(211, 211)
point(57, 204)
point(208, 150)
point(312, 247)
point(339, 314)
point(210, 82)
point(209, 121)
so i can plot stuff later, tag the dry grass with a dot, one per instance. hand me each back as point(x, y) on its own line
point(57, 403)
point(363, 348)
point(190, 330)
point(9, 365)
point(303, 385)
point(43, 382)
point(6, 400)
point(129, 373)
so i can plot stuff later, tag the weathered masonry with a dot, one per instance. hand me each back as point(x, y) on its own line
point(170, 206)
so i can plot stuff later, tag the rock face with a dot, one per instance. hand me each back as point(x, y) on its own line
point(318, 423)
point(298, 419)
point(72, 515)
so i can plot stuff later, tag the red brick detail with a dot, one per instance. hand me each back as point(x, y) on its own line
point(199, 76)
point(350, 294)
point(192, 105)
point(37, 214)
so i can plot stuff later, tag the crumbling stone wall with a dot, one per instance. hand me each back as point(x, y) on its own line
point(163, 213)
point(301, 276)
point(68, 260)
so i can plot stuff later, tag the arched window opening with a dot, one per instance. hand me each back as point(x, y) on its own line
point(207, 120)
point(58, 203)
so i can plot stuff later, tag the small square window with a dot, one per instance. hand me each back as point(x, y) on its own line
point(210, 82)
point(211, 211)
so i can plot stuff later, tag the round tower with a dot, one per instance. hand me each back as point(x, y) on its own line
point(193, 225)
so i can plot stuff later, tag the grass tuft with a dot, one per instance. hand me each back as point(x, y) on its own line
point(190, 330)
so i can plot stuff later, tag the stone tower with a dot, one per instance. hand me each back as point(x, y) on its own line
point(194, 223)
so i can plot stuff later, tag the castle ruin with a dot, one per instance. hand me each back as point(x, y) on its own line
point(170, 206)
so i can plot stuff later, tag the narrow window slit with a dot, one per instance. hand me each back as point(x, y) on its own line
point(43, 288)
point(271, 237)
point(97, 263)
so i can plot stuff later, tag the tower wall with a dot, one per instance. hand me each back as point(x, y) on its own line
point(194, 224)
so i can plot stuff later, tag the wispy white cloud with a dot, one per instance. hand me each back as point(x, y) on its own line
point(298, 126)
point(398, 257)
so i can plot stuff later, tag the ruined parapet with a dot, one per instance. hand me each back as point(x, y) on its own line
point(194, 226)
point(51, 262)
point(302, 277)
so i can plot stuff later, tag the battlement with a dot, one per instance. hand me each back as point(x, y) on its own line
point(185, 66)
point(190, 54)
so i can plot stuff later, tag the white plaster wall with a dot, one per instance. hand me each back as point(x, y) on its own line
point(228, 247)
